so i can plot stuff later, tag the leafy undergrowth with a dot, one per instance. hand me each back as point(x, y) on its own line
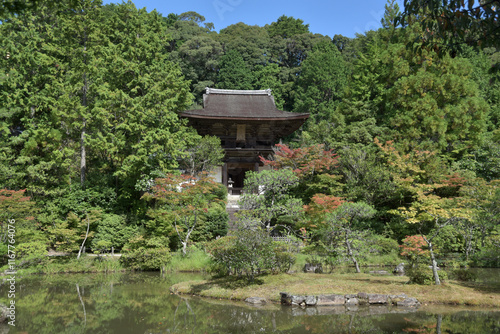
point(269, 287)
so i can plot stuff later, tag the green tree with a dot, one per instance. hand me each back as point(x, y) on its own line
point(268, 77)
point(451, 22)
point(423, 101)
point(438, 106)
point(36, 146)
point(179, 203)
point(290, 44)
point(250, 251)
point(251, 42)
point(390, 19)
point(322, 82)
point(346, 224)
point(143, 94)
point(234, 72)
point(202, 156)
point(195, 49)
point(287, 26)
point(81, 40)
point(266, 197)
point(312, 165)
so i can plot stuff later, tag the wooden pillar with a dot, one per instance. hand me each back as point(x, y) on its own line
point(224, 174)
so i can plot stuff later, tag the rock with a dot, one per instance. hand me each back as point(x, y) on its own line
point(362, 298)
point(351, 300)
point(330, 300)
point(311, 300)
point(374, 298)
point(256, 300)
point(298, 300)
point(408, 302)
point(313, 268)
point(379, 272)
point(397, 298)
point(400, 269)
point(348, 302)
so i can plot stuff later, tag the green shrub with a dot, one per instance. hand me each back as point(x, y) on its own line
point(112, 231)
point(215, 224)
point(382, 245)
point(31, 254)
point(147, 258)
point(146, 254)
point(283, 260)
point(250, 252)
point(422, 274)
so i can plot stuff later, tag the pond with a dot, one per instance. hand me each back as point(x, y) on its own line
point(141, 303)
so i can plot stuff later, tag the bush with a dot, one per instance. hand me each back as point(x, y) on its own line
point(31, 254)
point(215, 224)
point(112, 231)
point(146, 254)
point(422, 274)
point(383, 246)
point(249, 251)
point(283, 260)
point(147, 258)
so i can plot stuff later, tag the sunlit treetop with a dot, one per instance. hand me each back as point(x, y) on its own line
point(450, 23)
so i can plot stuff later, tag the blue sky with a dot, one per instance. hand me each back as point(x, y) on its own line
point(324, 17)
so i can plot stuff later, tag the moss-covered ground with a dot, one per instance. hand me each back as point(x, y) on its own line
point(269, 286)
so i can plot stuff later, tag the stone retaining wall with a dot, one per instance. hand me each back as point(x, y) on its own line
point(349, 300)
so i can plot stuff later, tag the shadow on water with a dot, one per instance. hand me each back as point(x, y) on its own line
point(141, 303)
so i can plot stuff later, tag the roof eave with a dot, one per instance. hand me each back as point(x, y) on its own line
point(286, 118)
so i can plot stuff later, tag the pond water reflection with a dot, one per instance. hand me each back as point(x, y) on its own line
point(141, 303)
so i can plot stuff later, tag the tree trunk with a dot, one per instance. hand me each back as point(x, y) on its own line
point(434, 264)
point(86, 235)
point(190, 230)
point(85, 88)
point(83, 155)
point(349, 253)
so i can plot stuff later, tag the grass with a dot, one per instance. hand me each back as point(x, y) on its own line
point(269, 287)
point(195, 261)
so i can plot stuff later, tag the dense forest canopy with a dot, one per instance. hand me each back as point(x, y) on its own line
point(89, 103)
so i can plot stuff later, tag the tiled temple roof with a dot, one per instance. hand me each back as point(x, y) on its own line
point(241, 105)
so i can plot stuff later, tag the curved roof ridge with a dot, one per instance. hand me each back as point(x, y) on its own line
point(209, 90)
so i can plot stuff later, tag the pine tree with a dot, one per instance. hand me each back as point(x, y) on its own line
point(234, 72)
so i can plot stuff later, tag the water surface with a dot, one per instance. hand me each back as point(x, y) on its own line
point(141, 303)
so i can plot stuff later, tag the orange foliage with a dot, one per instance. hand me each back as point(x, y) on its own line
point(322, 204)
point(304, 161)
